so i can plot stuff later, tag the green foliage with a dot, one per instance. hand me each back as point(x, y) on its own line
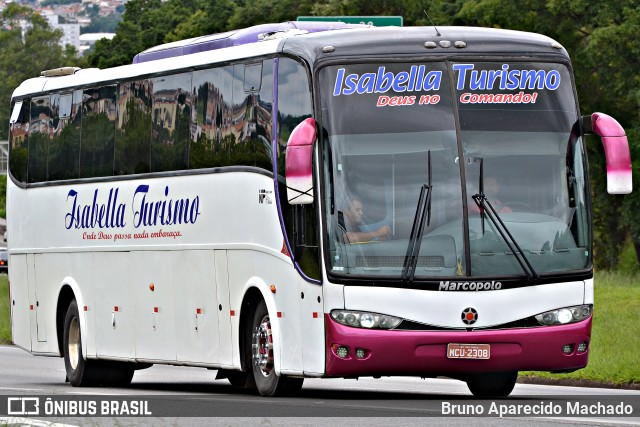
point(615, 336)
point(3, 196)
point(5, 311)
point(23, 58)
point(58, 2)
point(102, 24)
point(601, 38)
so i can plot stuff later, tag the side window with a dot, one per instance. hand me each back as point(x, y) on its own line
point(171, 118)
point(301, 221)
point(214, 119)
point(133, 129)
point(98, 132)
point(19, 140)
point(64, 148)
point(40, 130)
point(263, 117)
point(252, 99)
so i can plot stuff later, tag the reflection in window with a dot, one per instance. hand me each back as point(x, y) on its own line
point(64, 150)
point(171, 129)
point(98, 131)
point(133, 137)
point(213, 136)
point(40, 130)
point(19, 138)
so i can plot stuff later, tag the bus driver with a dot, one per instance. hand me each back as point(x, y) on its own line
point(353, 220)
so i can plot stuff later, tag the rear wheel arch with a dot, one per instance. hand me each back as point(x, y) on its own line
point(66, 295)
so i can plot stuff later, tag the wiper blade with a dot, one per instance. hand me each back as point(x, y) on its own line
point(423, 214)
point(483, 203)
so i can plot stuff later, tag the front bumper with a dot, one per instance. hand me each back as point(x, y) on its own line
point(425, 352)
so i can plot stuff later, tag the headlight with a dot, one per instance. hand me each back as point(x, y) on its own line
point(563, 316)
point(360, 319)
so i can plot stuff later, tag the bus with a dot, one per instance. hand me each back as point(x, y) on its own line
point(309, 200)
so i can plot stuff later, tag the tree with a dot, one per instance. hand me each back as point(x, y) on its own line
point(602, 38)
point(148, 23)
point(26, 52)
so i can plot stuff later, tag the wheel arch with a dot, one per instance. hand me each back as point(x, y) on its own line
point(69, 291)
point(256, 291)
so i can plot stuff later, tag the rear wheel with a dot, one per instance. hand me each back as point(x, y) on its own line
point(264, 374)
point(494, 384)
point(80, 372)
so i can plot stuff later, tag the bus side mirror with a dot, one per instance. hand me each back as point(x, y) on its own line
point(616, 150)
point(299, 163)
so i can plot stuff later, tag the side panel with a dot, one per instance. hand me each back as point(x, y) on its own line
point(224, 318)
point(20, 312)
point(115, 308)
point(312, 324)
point(241, 270)
point(153, 275)
point(196, 307)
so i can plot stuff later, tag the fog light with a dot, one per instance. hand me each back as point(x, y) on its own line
point(567, 348)
point(582, 347)
point(360, 353)
point(342, 351)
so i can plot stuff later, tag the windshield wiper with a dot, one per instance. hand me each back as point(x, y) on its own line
point(484, 203)
point(423, 214)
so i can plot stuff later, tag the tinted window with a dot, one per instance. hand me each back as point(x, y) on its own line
point(214, 120)
point(40, 130)
point(98, 132)
point(133, 137)
point(19, 137)
point(171, 115)
point(301, 221)
point(64, 149)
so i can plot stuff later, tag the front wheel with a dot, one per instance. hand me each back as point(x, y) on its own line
point(494, 384)
point(264, 374)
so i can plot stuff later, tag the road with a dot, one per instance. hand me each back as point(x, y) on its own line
point(366, 402)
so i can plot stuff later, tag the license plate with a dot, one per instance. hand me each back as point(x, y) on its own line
point(468, 351)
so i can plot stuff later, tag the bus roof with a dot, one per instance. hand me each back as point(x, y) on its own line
point(313, 43)
point(236, 38)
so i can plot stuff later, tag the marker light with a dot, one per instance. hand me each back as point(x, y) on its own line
point(563, 316)
point(359, 319)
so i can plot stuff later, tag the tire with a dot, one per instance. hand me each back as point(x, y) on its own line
point(240, 380)
point(495, 384)
point(264, 374)
point(117, 374)
point(80, 372)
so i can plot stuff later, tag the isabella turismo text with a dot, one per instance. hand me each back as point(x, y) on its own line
point(569, 408)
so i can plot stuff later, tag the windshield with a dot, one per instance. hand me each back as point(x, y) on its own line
point(390, 133)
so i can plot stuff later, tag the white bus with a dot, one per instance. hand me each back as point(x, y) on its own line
point(309, 200)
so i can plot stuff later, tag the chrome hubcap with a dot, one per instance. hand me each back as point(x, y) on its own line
point(262, 347)
point(74, 343)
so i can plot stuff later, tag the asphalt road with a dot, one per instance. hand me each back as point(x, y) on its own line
point(191, 396)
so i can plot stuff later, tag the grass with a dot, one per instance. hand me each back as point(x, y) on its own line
point(615, 340)
point(5, 311)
